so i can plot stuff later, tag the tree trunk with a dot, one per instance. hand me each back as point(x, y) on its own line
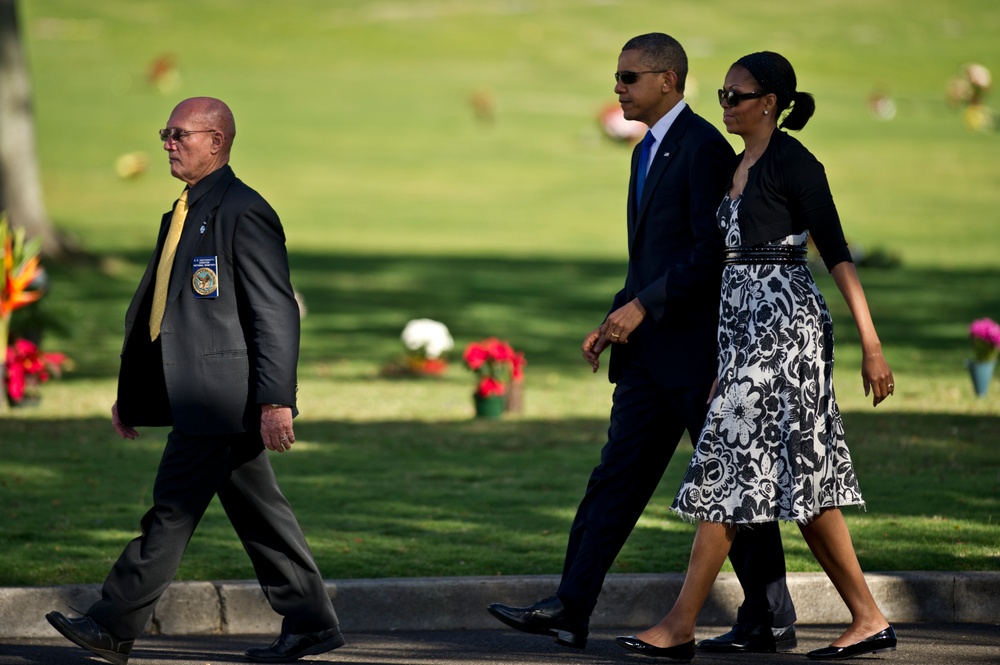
point(20, 186)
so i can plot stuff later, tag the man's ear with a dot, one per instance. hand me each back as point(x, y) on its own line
point(669, 81)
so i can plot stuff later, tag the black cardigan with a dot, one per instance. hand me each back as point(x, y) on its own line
point(787, 192)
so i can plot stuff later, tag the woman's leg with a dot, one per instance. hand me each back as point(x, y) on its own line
point(830, 542)
point(711, 546)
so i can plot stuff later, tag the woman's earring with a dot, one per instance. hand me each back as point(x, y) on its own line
point(765, 112)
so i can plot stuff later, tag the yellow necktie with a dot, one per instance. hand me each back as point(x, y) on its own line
point(166, 263)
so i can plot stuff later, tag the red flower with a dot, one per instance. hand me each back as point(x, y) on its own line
point(15, 378)
point(26, 365)
point(518, 362)
point(498, 350)
point(496, 365)
point(475, 355)
point(490, 387)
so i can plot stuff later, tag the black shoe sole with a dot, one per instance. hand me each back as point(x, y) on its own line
point(314, 650)
point(782, 647)
point(852, 654)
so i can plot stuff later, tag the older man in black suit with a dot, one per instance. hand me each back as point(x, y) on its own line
point(211, 347)
point(661, 329)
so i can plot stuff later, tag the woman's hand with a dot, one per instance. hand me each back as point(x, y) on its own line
point(877, 377)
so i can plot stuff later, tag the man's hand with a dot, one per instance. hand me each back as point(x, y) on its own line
point(276, 427)
point(592, 349)
point(621, 322)
point(123, 430)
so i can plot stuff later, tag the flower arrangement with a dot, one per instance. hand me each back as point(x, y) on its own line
point(426, 341)
point(496, 365)
point(969, 89)
point(985, 336)
point(28, 367)
point(617, 128)
point(22, 278)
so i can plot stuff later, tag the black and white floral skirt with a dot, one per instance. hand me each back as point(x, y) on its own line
point(772, 447)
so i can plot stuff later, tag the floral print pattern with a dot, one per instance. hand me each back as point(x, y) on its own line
point(772, 447)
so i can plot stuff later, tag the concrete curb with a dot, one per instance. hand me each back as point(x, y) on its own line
point(459, 603)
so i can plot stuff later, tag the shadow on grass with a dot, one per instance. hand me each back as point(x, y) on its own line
point(409, 498)
point(358, 305)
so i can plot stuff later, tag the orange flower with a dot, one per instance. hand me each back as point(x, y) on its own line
point(20, 270)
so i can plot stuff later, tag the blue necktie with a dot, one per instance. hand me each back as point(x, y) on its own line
point(647, 143)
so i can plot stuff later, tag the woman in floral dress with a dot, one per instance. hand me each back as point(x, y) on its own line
point(773, 444)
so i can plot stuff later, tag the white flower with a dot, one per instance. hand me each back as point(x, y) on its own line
point(978, 76)
point(740, 415)
point(431, 337)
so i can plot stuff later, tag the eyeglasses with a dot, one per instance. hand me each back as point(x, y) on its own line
point(733, 98)
point(628, 78)
point(177, 135)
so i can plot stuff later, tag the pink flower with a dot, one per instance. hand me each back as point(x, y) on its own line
point(985, 336)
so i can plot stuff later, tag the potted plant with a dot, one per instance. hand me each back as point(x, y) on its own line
point(426, 341)
point(498, 369)
point(985, 336)
point(22, 280)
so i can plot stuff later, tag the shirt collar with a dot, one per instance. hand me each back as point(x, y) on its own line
point(206, 184)
point(662, 125)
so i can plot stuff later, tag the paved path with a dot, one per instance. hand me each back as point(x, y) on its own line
point(921, 643)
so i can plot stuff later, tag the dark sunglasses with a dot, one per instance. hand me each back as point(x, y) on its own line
point(628, 78)
point(178, 135)
point(733, 98)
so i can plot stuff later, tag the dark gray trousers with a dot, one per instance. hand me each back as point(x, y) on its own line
point(194, 469)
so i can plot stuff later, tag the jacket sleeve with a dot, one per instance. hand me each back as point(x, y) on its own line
point(810, 199)
point(699, 273)
point(269, 313)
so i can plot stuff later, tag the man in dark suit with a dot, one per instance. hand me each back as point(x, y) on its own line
point(211, 347)
point(661, 329)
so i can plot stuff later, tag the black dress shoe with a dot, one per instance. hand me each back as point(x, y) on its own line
point(546, 617)
point(289, 647)
point(679, 653)
point(880, 642)
point(752, 638)
point(90, 635)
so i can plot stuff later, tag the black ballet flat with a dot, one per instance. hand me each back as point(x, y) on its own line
point(680, 653)
point(880, 642)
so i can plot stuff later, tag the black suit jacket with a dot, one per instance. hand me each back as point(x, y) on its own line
point(675, 252)
point(217, 359)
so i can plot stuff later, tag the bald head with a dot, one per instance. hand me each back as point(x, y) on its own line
point(210, 113)
point(209, 129)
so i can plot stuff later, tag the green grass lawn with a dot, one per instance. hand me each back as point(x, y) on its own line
point(354, 121)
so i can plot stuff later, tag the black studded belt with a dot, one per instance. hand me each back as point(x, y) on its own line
point(764, 254)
